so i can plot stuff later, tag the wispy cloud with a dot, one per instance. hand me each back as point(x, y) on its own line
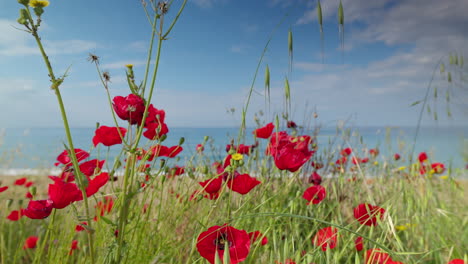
point(14, 42)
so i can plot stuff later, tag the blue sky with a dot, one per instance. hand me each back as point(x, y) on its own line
point(208, 63)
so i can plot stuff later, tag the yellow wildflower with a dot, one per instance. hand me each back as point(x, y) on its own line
point(129, 65)
point(38, 3)
point(237, 156)
point(402, 168)
point(376, 163)
point(401, 227)
point(444, 177)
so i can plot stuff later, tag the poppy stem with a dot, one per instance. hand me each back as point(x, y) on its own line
point(55, 86)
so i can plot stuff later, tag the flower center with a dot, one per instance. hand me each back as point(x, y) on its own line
point(221, 241)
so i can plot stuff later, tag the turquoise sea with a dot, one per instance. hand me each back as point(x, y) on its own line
point(26, 149)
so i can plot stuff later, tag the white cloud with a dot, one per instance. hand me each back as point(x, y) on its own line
point(15, 42)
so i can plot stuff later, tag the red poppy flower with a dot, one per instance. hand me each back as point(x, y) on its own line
point(63, 158)
point(155, 115)
point(315, 194)
point(315, 178)
point(325, 238)
point(4, 188)
point(346, 152)
point(155, 130)
point(358, 243)
point(365, 160)
point(367, 214)
point(38, 209)
point(422, 157)
point(277, 141)
point(63, 194)
point(89, 168)
point(377, 256)
point(130, 108)
point(28, 195)
point(212, 185)
point(456, 261)
point(291, 158)
point(264, 132)
point(176, 171)
point(438, 167)
point(73, 246)
point(108, 136)
point(14, 215)
point(374, 152)
point(105, 206)
point(396, 156)
point(95, 184)
point(219, 238)
point(241, 149)
point(341, 160)
point(20, 181)
point(163, 151)
point(254, 236)
point(291, 124)
point(30, 242)
point(79, 228)
point(242, 183)
point(200, 148)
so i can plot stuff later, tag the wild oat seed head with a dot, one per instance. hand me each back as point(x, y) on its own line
point(93, 58)
point(163, 7)
point(38, 3)
point(106, 76)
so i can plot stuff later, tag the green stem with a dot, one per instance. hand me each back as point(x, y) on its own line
point(55, 84)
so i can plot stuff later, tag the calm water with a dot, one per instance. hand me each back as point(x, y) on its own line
point(37, 148)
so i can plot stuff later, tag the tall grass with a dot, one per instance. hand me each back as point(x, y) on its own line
point(148, 215)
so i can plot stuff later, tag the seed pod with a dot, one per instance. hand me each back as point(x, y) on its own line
point(435, 92)
point(455, 60)
point(447, 96)
point(287, 89)
point(267, 82)
point(451, 60)
point(319, 16)
point(340, 15)
point(449, 77)
point(461, 61)
point(290, 49)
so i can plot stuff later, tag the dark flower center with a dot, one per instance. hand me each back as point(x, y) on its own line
point(221, 241)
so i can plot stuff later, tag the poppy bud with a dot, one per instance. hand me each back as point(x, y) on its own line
point(181, 141)
point(205, 138)
point(162, 163)
point(33, 190)
point(162, 138)
point(9, 202)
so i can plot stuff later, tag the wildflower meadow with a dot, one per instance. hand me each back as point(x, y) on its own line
point(283, 199)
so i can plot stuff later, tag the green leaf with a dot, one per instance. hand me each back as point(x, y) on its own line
point(415, 103)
